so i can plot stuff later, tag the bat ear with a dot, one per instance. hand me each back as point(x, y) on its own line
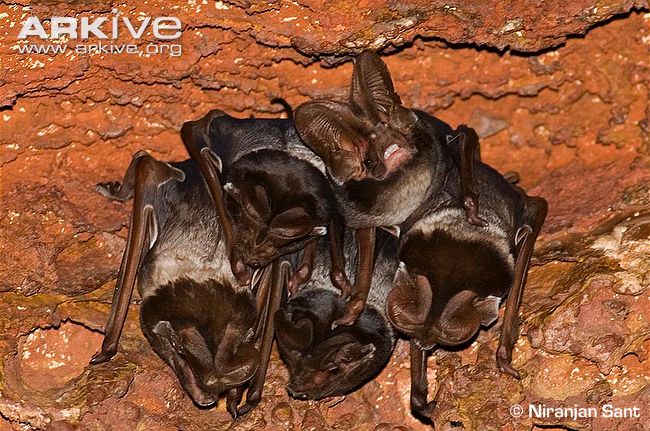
point(409, 302)
point(344, 166)
point(235, 371)
point(460, 319)
point(331, 130)
point(256, 202)
point(488, 309)
point(292, 223)
point(373, 93)
point(178, 358)
point(294, 336)
point(195, 347)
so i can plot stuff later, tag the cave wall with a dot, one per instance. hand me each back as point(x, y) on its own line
point(557, 90)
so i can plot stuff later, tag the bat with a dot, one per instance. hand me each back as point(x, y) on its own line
point(453, 274)
point(205, 325)
point(269, 189)
point(384, 161)
point(323, 361)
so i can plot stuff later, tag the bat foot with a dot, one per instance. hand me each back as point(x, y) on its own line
point(510, 370)
point(341, 282)
point(112, 190)
point(103, 356)
point(504, 364)
point(352, 312)
point(471, 209)
point(423, 410)
point(233, 398)
point(246, 408)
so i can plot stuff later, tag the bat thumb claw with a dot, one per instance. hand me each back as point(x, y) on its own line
point(101, 357)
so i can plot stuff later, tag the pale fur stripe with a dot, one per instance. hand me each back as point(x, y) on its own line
point(453, 221)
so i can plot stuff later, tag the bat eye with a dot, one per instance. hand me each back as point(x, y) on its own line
point(373, 136)
point(367, 162)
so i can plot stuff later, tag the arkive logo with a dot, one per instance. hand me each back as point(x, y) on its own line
point(106, 30)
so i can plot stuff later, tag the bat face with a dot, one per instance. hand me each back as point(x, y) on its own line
point(263, 233)
point(325, 362)
point(275, 211)
point(368, 137)
point(446, 289)
point(205, 332)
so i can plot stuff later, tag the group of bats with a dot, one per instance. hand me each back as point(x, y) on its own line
point(270, 231)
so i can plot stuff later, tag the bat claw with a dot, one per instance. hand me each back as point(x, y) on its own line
point(512, 177)
point(232, 409)
point(233, 398)
point(471, 209)
point(102, 356)
point(298, 278)
point(423, 410)
point(113, 190)
point(352, 312)
point(341, 282)
point(245, 408)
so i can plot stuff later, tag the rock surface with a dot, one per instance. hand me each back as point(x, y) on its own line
point(571, 116)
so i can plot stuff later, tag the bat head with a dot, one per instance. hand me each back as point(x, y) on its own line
point(322, 361)
point(277, 205)
point(205, 332)
point(446, 289)
point(368, 137)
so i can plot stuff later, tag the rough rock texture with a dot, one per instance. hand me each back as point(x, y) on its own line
point(571, 115)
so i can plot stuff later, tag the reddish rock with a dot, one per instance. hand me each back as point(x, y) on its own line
point(52, 357)
point(571, 116)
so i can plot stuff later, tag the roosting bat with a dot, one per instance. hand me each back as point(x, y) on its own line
point(194, 313)
point(454, 274)
point(325, 362)
point(384, 161)
point(277, 198)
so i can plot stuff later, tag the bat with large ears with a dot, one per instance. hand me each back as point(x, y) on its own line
point(270, 190)
point(212, 332)
point(453, 275)
point(384, 161)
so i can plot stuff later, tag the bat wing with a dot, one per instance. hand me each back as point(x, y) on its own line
point(146, 174)
point(534, 214)
point(277, 281)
